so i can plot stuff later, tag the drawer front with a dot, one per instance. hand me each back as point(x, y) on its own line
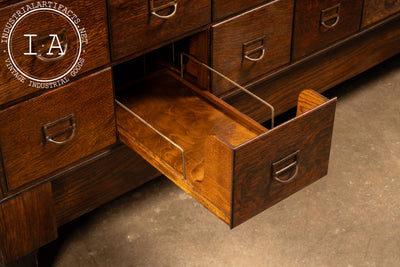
point(375, 10)
point(252, 44)
point(286, 159)
point(224, 8)
point(320, 23)
point(30, 54)
point(51, 131)
point(135, 27)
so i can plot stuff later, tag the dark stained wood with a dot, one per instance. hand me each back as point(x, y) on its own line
point(321, 71)
point(30, 260)
point(4, 3)
point(375, 10)
point(224, 8)
point(228, 155)
point(134, 28)
point(271, 22)
point(200, 49)
point(83, 189)
point(2, 178)
point(254, 188)
point(28, 157)
point(309, 35)
point(27, 222)
point(93, 16)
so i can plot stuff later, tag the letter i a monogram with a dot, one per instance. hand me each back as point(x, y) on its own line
point(30, 53)
point(55, 37)
point(52, 46)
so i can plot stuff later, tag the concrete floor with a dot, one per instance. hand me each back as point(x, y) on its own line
point(349, 218)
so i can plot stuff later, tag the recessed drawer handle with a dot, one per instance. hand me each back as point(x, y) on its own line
point(154, 10)
point(60, 127)
point(44, 50)
point(259, 49)
point(279, 168)
point(246, 56)
point(330, 14)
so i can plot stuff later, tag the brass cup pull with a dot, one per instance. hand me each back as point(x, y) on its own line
point(63, 127)
point(173, 5)
point(330, 16)
point(288, 165)
point(253, 47)
point(43, 49)
point(262, 54)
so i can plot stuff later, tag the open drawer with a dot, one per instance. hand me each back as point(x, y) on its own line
point(228, 162)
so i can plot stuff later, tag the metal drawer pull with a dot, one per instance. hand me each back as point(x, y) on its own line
point(260, 49)
point(330, 13)
point(42, 50)
point(154, 10)
point(293, 165)
point(71, 128)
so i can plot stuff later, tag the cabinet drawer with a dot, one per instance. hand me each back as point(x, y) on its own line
point(224, 8)
point(231, 164)
point(320, 23)
point(91, 19)
point(250, 45)
point(53, 130)
point(135, 27)
point(375, 10)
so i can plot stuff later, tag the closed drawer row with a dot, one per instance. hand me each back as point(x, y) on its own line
point(137, 26)
point(245, 45)
point(62, 126)
point(277, 33)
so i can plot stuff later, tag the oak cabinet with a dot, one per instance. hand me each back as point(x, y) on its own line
point(188, 89)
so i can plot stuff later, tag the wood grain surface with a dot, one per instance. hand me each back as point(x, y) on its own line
point(309, 35)
point(93, 16)
point(28, 157)
point(320, 72)
point(310, 134)
point(189, 118)
point(224, 8)
point(180, 114)
point(133, 28)
point(375, 10)
point(98, 181)
point(309, 99)
point(272, 23)
point(218, 149)
point(2, 178)
point(27, 222)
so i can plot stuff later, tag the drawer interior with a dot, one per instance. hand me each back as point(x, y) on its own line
point(213, 151)
point(184, 114)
